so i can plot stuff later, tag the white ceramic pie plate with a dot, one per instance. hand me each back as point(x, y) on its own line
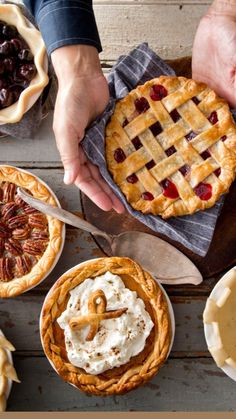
point(209, 331)
point(9, 356)
point(171, 311)
point(63, 235)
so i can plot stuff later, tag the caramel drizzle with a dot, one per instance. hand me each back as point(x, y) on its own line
point(97, 305)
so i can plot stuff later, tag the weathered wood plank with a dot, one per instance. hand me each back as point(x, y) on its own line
point(19, 319)
point(181, 385)
point(168, 28)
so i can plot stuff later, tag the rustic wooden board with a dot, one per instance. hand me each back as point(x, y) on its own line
point(181, 385)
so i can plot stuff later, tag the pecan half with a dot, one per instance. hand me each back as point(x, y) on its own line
point(38, 221)
point(21, 233)
point(8, 210)
point(23, 264)
point(4, 232)
point(9, 190)
point(13, 246)
point(30, 210)
point(40, 235)
point(34, 248)
point(5, 269)
point(20, 202)
point(2, 246)
point(17, 221)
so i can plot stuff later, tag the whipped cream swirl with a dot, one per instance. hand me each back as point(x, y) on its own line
point(118, 339)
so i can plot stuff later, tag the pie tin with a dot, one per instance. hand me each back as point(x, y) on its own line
point(63, 233)
point(209, 332)
point(170, 308)
point(9, 358)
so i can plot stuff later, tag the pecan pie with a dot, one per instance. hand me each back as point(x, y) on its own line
point(30, 242)
point(171, 147)
point(105, 326)
point(22, 62)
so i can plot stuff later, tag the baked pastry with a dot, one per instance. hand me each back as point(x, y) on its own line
point(219, 317)
point(171, 147)
point(22, 63)
point(7, 371)
point(105, 326)
point(30, 242)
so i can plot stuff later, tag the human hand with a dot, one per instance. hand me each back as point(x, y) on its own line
point(214, 49)
point(82, 95)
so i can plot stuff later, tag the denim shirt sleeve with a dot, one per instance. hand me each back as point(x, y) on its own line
point(65, 22)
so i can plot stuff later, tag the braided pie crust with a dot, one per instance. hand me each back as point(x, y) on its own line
point(171, 147)
point(18, 285)
point(141, 367)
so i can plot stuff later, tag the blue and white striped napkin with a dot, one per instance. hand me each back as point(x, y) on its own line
point(195, 232)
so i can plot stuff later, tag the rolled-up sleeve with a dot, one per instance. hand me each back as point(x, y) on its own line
point(65, 22)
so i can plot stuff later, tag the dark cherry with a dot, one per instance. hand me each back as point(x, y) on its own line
point(137, 143)
point(25, 72)
point(6, 98)
point(25, 55)
point(141, 105)
point(217, 172)
point(2, 67)
point(205, 155)
point(169, 189)
point(6, 48)
point(147, 196)
point(9, 64)
point(16, 91)
point(9, 31)
point(224, 138)
point(156, 128)
point(3, 83)
point(175, 115)
point(132, 178)
point(213, 118)
point(185, 170)
point(17, 44)
point(119, 155)
point(195, 100)
point(190, 136)
point(203, 191)
point(150, 164)
point(158, 92)
point(170, 151)
point(125, 122)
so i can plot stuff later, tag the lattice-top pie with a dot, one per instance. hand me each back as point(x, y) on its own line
point(30, 242)
point(105, 326)
point(171, 147)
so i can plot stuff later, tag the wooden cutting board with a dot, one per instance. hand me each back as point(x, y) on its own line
point(222, 252)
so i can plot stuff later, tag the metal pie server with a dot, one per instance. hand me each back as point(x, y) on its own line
point(158, 257)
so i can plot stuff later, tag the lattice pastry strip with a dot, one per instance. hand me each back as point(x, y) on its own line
point(171, 146)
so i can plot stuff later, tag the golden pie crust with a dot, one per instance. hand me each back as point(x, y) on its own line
point(220, 313)
point(140, 368)
point(12, 15)
point(26, 180)
point(171, 147)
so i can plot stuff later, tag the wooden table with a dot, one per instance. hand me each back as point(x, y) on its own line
point(190, 380)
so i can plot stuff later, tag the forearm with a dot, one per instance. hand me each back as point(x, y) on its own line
point(65, 22)
point(223, 7)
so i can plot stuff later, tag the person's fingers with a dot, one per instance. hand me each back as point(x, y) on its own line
point(117, 204)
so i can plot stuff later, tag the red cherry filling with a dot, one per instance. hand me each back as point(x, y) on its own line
point(158, 92)
point(137, 143)
point(150, 164)
point(169, 189)
point(156, 128)
point(125, 122)
point(141, 105)
point(147, 196)
point(217, 172)
point(175, 115)
point(213, 118)
point(203, 191)
point(185, 170)
point(205, 155)
point(170, 151)
point(132, 178)
point(195, 100)
point(190, 136)
point(119, 155)
point(224, 138)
